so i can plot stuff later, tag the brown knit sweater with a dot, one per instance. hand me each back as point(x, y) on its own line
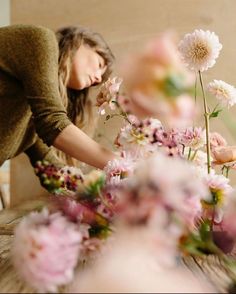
point(31, 111)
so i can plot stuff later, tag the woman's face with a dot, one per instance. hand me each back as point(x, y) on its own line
point(87, 68)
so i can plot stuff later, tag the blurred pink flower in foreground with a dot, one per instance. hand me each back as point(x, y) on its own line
point(130, 266)
point(161, 181)
point(155, 79)
point(42, 257)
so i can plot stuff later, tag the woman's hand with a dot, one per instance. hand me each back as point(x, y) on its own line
point(77, 144)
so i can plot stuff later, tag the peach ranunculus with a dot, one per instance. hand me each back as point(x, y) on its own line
point(225, 155)
point(216, 140)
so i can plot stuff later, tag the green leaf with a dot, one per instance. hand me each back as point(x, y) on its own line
point(174, 85)
point(215, 113)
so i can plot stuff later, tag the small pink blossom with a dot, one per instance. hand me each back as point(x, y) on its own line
point(46, 250)
point(108, 94)
point(118, 169)
point(194, 138)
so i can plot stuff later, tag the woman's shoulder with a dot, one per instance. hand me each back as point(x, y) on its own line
point(28, 31)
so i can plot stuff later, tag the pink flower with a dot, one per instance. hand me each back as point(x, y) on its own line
point(154, 79)
point(118, 169)
point(74, 210)
point(194, 138)
point(139, 137)
point(46, 250)
point(161, 181)
point(108, 94)
point(220, 192)
point(182, 113)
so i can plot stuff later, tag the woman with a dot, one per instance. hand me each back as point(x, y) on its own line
point(44, 81)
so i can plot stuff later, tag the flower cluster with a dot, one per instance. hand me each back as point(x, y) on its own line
point(139, 136)
point(108, 94)
point(58, 180)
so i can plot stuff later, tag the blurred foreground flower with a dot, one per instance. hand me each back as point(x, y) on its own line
point(129, 266)
point(155, 79)
point(46, 249)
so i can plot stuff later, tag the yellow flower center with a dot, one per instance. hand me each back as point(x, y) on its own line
point(200, 51)
point(217, 199)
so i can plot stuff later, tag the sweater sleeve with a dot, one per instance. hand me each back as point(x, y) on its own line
point(40, 151)
point(33, 55)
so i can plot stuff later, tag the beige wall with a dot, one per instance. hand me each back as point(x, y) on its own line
point(127, 24)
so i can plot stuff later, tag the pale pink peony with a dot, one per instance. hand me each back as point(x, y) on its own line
point(46, 249)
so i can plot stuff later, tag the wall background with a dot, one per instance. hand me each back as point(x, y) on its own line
point(127, 25)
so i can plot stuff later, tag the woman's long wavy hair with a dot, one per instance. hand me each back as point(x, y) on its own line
point(77, 102)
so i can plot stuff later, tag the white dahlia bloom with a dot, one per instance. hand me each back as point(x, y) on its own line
point(224, 93)
point(200, 49)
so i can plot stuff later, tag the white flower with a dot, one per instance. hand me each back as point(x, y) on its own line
point(200, 49)
point(224, 93)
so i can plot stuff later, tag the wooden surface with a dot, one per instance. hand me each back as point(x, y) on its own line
point(209, 268)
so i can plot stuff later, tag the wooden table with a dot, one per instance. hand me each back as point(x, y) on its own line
point(209, 267)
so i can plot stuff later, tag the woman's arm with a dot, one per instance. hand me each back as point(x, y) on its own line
point(77, 144)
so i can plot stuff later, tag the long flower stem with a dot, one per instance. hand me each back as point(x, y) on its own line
point(189, 153)
point(207, 125)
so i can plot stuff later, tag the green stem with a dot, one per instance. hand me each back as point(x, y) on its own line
point(206, 116)
point(194, 155)
point(227, 171)
point(189, 153)
point(222, 170)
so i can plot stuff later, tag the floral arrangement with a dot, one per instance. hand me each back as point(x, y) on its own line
point(164, 178)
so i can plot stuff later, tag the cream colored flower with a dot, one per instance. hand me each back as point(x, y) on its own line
point(224, 93)
point(200, 49)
